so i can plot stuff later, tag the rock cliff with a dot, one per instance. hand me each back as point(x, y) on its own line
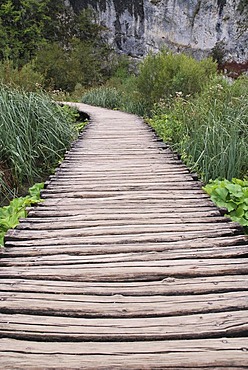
point(197, 26)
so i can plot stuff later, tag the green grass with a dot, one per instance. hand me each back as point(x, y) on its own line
point(35, 134)
point(123, 97)
point(106, 97)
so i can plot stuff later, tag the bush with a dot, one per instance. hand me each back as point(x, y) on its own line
point(162, 75)
point(11, 214)
point(64, 69)
point(210, 131)
point(26, 77)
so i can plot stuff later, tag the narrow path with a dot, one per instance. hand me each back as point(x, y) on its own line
point(126, 264)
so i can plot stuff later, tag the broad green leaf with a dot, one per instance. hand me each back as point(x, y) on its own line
point(222, 193)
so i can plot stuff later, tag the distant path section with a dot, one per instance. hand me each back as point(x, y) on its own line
point(126, 264)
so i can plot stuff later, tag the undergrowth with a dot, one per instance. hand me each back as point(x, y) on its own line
point(232, 195)
point(11, 214)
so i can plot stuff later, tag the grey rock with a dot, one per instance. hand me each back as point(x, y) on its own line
point(194, 26)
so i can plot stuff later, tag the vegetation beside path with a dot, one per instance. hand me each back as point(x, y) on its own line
point(35, 133)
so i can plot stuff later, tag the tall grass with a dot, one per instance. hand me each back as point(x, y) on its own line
point(34, 136)
point(104, 96)
point(116, 98)
point(121, 92)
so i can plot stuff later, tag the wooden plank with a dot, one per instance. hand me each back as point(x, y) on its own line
point(27, 248)
point(130, 271)
point(119, 239)
point(81, 222)
point(170, 217)
point(77, 255)
point(59, 328)
point(114, 230)
point(122, 195)
point(99, 213)
point(234, 359)
point(167, 286)
point(228, 353)
point(8, 345)
point(120, 306)
point(137, 205)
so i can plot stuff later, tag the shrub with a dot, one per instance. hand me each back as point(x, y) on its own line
point(26, 77)
point(162, 75)
point(210, 131)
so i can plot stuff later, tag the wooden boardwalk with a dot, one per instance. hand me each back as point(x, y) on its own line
point(126, 264)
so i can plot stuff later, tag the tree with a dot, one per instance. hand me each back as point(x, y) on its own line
point(22, 28)
point(67, 48)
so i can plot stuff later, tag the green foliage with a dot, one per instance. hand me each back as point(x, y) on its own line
point(123, 97)
point(46, 41)
point(164, 74)
point(210, 131)
point(11, 214)
point(35, 133)
point(26, 77)
point(87, 60)
point(106, 97)
point(23, 23)
point(232, 195)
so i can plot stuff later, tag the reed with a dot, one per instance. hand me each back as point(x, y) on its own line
point(35, 134)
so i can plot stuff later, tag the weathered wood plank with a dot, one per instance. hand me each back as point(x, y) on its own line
point(59, 328)
point(77, 255)
point(234, 359)
point(122, 195)
point(120, 306)
point(167, 286)
point(99, 213)
point(27, 248)
point(8, 345)
point(82, 222)
point(102, 231)
point(130, 271)
point(121, 239)
point(228, 353)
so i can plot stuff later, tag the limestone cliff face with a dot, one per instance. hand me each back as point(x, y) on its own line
point(137, 26)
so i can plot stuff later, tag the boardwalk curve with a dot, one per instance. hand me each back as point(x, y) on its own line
point(126, 264)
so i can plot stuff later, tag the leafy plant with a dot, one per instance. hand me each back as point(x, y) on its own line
point(11, 214)
point(232, 195)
